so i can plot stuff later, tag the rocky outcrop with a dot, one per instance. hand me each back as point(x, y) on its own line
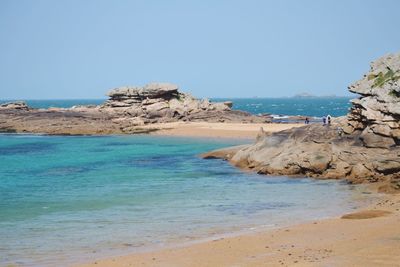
point(316, 151)
point(127, 110)
point(17, 105)
point(149, 94)
point(362, 147)
point(59, 121)
point(163, 100)
point(376, 114)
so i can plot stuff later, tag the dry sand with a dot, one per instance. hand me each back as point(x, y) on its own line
point(218, 130)
point(361, 240)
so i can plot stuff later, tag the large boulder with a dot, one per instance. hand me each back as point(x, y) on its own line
point(163, 100)
point(134, 94)
point(17, 105)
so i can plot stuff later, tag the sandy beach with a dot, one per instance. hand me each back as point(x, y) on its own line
point(218, 130)
point(369, 237)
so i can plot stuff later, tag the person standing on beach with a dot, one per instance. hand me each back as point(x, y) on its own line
point(323, 120)
point(306, 121)
point(329, 119)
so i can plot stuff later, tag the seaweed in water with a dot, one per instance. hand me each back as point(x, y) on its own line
point(28, 148)
point(157, 162)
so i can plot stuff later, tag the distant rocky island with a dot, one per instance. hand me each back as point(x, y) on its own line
point(363, 146)
point(126, 110)
point(304, 95)
point(309, 95)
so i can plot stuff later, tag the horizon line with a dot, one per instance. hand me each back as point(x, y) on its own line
point(213, 97)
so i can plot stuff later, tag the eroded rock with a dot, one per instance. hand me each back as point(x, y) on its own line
point(17, 105)
point(377, 111)
point(163, 102)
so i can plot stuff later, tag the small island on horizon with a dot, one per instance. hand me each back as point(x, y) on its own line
point(309, 95)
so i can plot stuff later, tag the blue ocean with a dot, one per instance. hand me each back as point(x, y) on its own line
point(313, 106)
point(292, 106)
point(65, 200)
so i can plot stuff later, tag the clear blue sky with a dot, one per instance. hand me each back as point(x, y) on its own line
point(211, 48)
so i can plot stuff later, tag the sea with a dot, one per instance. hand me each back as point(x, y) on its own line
point(72, 199)
point(316, 107)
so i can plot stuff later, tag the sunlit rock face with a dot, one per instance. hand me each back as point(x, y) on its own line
point(18, 105)
point(160, 100)
point(376, 114)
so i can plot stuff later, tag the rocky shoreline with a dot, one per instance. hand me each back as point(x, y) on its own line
point(363, 147)
point(126, 111)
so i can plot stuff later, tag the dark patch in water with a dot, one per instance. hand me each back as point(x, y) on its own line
point(67, 170)
point(28, 148)
point(158, 162)
point(97, 165)
point(116, 144)
point(225, 174)
point(322, 184)
point(99, 150)
point(119, 143)
point(281, 180)
point(168, 145)
point(251, 208)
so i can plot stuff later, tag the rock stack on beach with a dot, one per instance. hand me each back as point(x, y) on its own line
point(162, 102)
point(361, 147)
point(18, 105)
point(134, 96)
point(376, 114)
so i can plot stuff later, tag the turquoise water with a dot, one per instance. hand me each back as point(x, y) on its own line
point(59, 103)
point(314, 107)
point(71, 199)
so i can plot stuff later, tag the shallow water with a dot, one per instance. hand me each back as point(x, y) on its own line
point(73, 199)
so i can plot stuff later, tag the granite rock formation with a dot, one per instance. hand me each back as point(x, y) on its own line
point(376, 114)
point(162, 101)
point(362, 147)
point(18, 105)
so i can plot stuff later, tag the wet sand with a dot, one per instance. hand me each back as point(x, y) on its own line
point(369, 237)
